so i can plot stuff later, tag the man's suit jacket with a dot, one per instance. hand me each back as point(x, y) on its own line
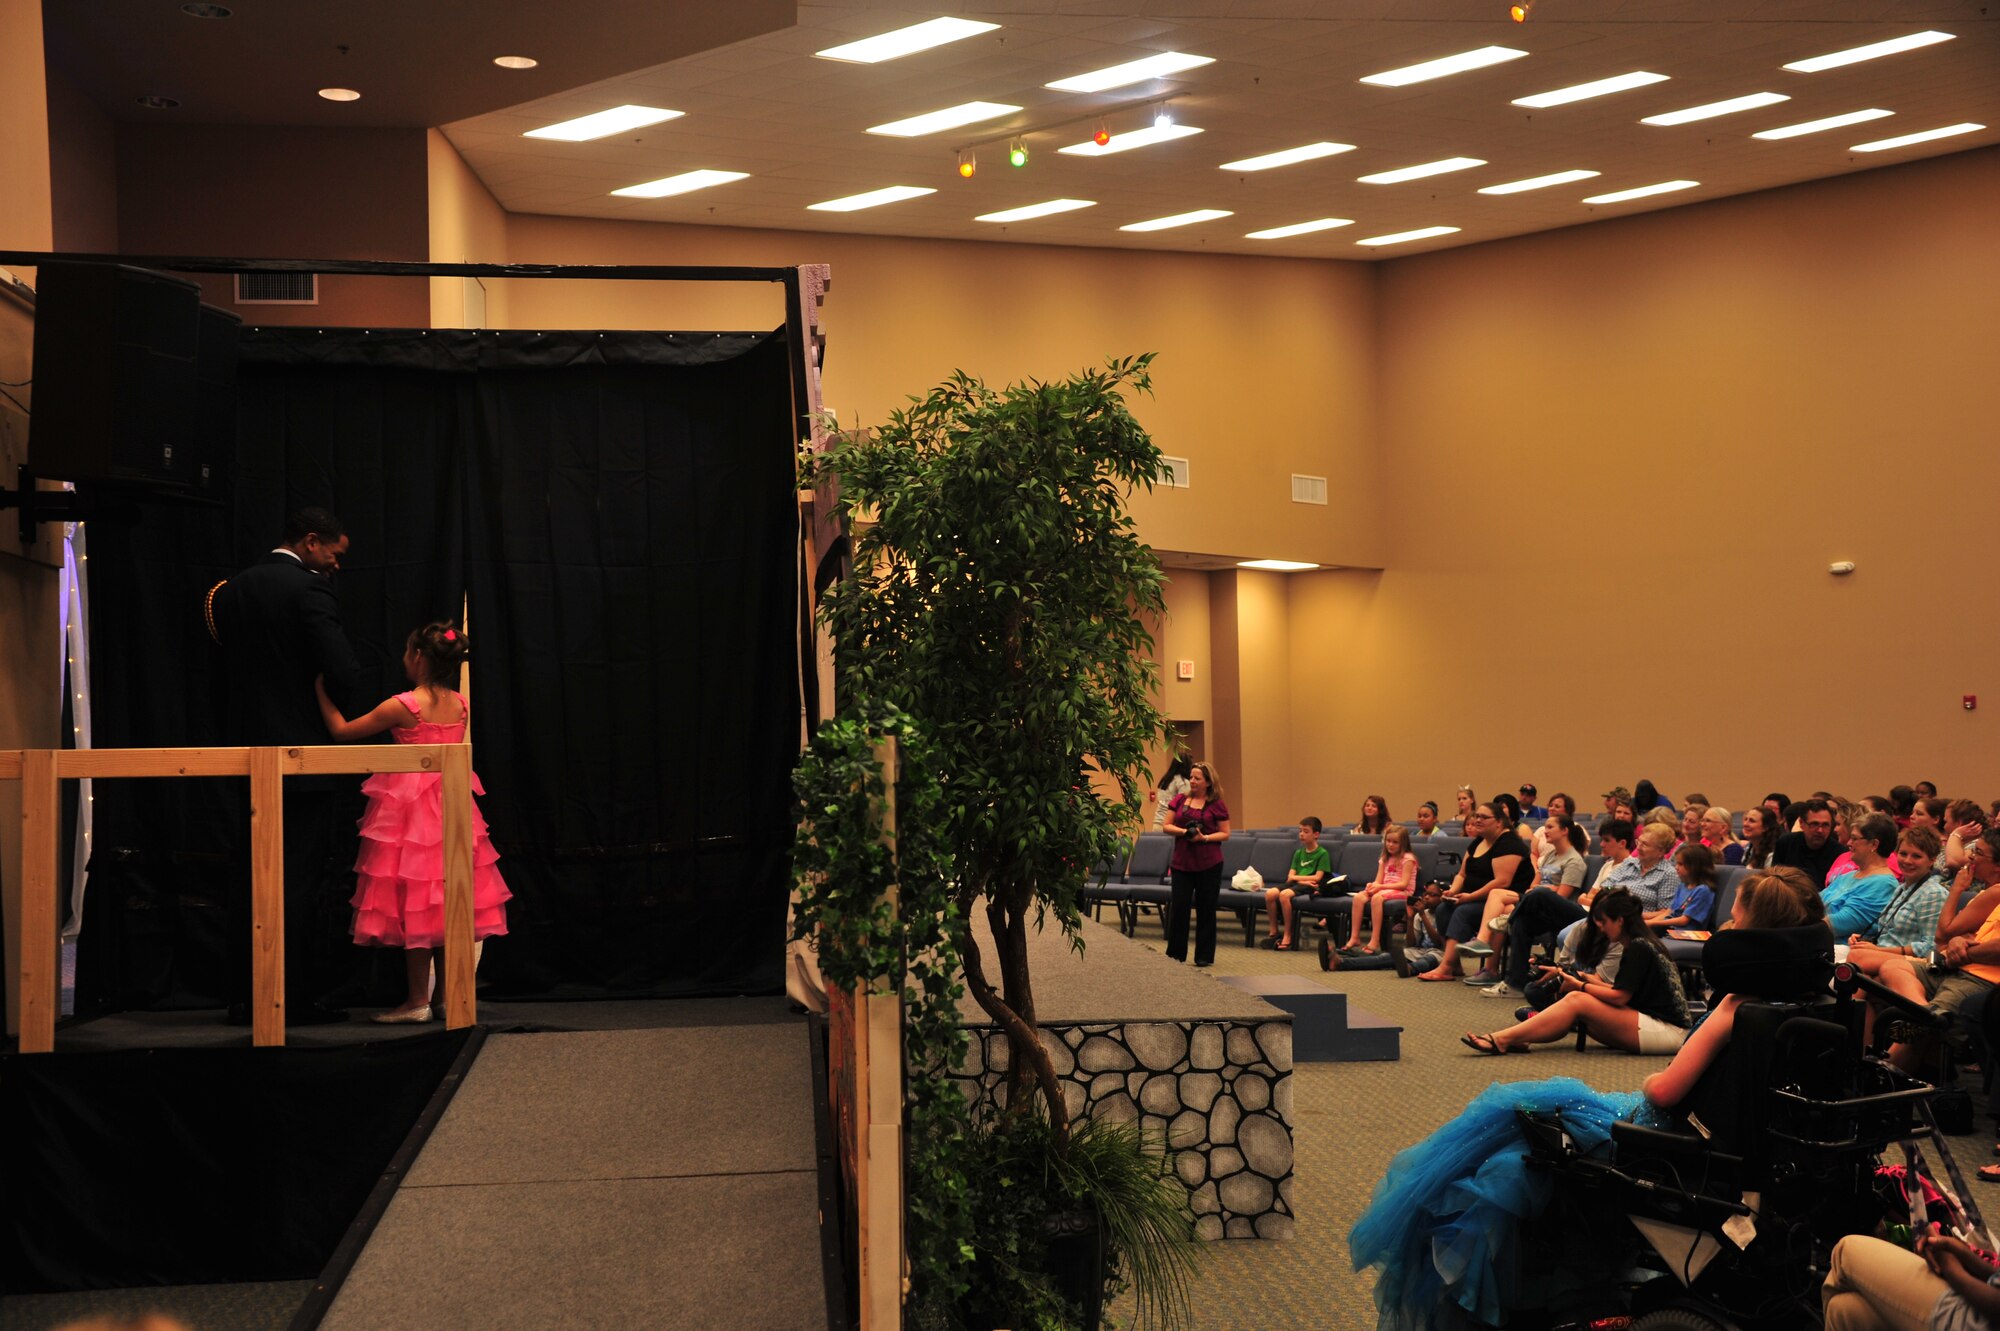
point(279, 625)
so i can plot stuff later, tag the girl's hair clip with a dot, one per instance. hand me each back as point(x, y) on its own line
point(451, 635)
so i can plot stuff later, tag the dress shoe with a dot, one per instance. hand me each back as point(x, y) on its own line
point(414, 1017)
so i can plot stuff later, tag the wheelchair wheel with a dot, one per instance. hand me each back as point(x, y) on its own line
point(1680, 1319)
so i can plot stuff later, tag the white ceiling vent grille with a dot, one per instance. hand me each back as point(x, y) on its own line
point(1308, 489)
point(1174, 472)
point(277, 289)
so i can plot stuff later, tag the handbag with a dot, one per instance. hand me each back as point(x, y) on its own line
point(1247, 880)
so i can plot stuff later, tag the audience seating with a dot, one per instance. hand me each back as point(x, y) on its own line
point(1099, 889)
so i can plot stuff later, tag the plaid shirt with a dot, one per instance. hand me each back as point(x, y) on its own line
point(1655, 888)
point(1911, 917)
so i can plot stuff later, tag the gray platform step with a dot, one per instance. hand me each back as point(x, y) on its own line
point(1324, 1028)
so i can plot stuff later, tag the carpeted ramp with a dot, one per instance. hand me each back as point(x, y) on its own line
point(619, 1178)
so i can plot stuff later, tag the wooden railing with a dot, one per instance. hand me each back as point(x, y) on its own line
point(40, 770)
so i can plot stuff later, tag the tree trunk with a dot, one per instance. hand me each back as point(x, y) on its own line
point(1024, 1045)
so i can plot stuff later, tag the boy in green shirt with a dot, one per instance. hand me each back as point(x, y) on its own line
point(1310, 866)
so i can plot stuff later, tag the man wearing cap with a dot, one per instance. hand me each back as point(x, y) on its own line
point(1531, 811)
point(1614, 797)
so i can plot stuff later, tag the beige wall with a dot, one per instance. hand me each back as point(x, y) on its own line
point(466, 226)
point(1624, 455)
point(275, 192)
point(1265, 366)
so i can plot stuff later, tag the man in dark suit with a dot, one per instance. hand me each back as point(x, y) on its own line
point(279, 626)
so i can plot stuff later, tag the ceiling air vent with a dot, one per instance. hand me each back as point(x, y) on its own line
point(1174, 472)
point(1308, 489)
point(277, 289)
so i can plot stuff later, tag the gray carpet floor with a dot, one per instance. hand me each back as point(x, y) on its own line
point(1352, 1117)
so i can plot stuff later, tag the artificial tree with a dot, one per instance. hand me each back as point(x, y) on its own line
point(998, 597)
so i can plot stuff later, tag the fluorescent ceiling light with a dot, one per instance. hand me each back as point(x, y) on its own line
point(1859, 53)
point(1538, 182)
point(1815, 126)
point(597, 125)
point(1134, 71)
point(516, 61)
point(1664, 187)
point(1712, 109)
point(683, 183)
point(1601, 88)
point(1037, 210)
point(905, 41)
point(1179, 219)
point(1311, 152)
point(1299, 229)
point(1451, 64)
point(1418, 172)
point(1881, 145)
point(1126, 142)
point(1276, 565)
point(1422, 233)
point(340, 94)
point(874, 198)
point(934, 122)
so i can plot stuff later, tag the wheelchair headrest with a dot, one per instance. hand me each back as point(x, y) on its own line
point(1777, 964)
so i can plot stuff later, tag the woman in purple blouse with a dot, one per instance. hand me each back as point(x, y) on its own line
point(1199, 821)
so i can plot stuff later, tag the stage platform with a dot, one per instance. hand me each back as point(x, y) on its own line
point(661, 1170)
point(1135, 1035)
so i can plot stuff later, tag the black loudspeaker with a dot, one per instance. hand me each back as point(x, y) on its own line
point(134, 379)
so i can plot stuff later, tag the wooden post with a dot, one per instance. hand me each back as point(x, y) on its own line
point(38, 945)
point(458, 959)
point(267, 897)
point(879, 1185)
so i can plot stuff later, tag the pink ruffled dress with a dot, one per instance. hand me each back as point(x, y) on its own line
point(399, 899)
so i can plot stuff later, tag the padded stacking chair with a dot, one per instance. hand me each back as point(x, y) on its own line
point(1145, 878)
point(1099, 887)
point(1591, 865)
point(1238, 854)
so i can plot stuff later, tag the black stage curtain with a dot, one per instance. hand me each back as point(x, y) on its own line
point(619, 510)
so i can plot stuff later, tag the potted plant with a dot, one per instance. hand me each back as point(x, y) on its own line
point(996, 600)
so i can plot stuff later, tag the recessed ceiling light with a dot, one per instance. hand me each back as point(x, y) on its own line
point(936, 122)
point(599, 124)
point(1854, 55)
point(207, 11)
point(516, 61)
point(1276, 565)
point(1815, 126)
point(1451, 64)
point(1037, 210)
point(1400, 237)
point(1132, 71)
point(1178, 219)
point(1601, 88)
point(905, 41)
point(874, 198)
point(1311, 152)
point(1710, 110)
point(340, 94)
point(1126, 142)
point(1299, 229)
point(683, 183)
point(1421, 170)
point(1538, 182)
point(1904, 141)
point(1643, 191)
point(157, 103)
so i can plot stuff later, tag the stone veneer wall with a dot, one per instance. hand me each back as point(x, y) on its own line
point(1218, 1093)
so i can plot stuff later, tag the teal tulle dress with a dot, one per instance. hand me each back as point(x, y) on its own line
point(1446, 1221)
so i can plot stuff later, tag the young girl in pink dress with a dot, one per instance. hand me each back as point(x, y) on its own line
point(399, 896)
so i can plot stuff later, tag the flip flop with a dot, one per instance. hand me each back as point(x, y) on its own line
point(1437, 975)
point(1284, 945)
point(1989, 1173)
point(1486, 1044)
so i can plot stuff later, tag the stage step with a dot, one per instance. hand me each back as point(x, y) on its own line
point(1324, 1028)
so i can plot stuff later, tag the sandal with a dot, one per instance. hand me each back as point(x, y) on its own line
point(1437, 974)
point(1989, 1173)
point(1489, 1044)
point(1284, 945)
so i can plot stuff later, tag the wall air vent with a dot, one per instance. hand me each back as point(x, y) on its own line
point(1308, 489)
point(277, 289)
point(1174, 472)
